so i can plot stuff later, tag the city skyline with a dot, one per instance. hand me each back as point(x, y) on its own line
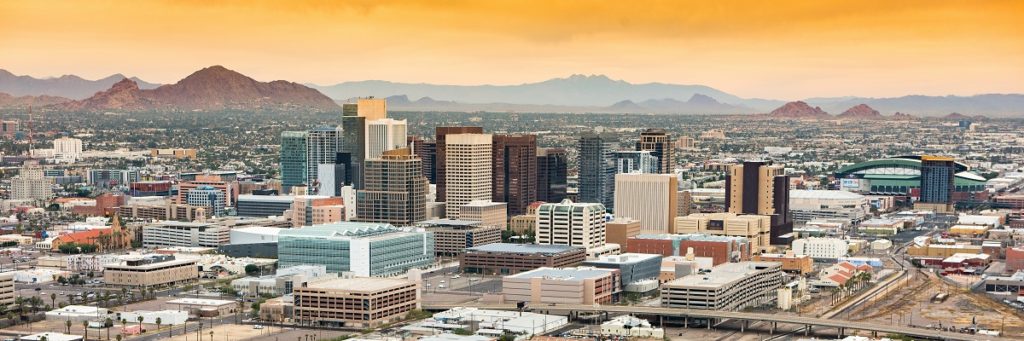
point(794, 50)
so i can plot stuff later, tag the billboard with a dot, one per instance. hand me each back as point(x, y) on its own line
point(849, 183)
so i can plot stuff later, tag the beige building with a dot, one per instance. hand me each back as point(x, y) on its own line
point(453, 237)
point(685, 203)
point(151, 271)
point(583, 285)
point(753, 227)
point(651, 198)
point(619, 231)
point(792, 263)
point(523, 223)
point(355, 302)
point(7, 291)
point(316, 210)
point(569, 223)
point(179, 153)
point(467, 171)
point(372, 108)
point(394, 190)
point(486, 212)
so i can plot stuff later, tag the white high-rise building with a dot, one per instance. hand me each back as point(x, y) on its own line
point(569, 223)
point(651, 198)
point(383, 135)
point(468, 164)
point(322, 147)
point(67, 149)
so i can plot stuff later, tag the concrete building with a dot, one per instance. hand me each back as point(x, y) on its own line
point(294, 167)
point(583, 285)
point(753, 227)
point(173, 233)
point(597, 168)
point(355, 302)
point(30, 184)
point(486, 212)
point(630, 161)
point(467, 171)
point(937, 183)
point(173, 153)
point(619, 231)
point(441, 161)
point(720, 249)
point(322, 147)
point(631, 327)
point(847, 206)
point(151, 271)
point(111, 178)
point(552, 174)
point(651, 198)
point(524, 223)
point(282, 282)
point(263, 205)
point(426, 150)
point(659, 143)
point(568, 223)
point(76, 313)
point(730, 286)
point(821, 248)
point(505, 259)
point(514, 171)
point(486, 322)
point(309, 210)
point(383, 135)
point(203, 307)
point(394, 189)
point(207, 196)
point(453, 237)
point(348, 246)
point(633, 268)
point(67, 149)
point(762, 189)
point(7, 291)
point(224, 182)
point(792, 263)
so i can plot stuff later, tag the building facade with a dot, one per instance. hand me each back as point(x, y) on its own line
point(505, 259)
point(173, 233)
point(453, 237)
point(659, 143)
point(937, 183)
point(293, 166)
point(366, 249)
point(753, 227)
point(394, 190)
point(650, 198)
point(151, 271)
point(468, 171)
point(514, 171)
point(355, 302)
point(574, 224)
point(597, 168)
point(207, 196)
point(638, 161)
point(383, 135)
point(584, 285)
point(552, 174)
point(730, 286)
point(761, 188)
point(441, 160)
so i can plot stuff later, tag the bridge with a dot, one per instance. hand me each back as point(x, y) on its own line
point(774, 319)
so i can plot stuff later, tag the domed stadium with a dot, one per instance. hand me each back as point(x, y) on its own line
point(900, 176)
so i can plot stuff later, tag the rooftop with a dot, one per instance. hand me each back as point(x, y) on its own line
point(266, 198)
point(809, 194)
point(691, 236)
point(723, 275)
point(564, 274)
point(625, 258)
point(524, 248)
point(340, 229)
point(450, 222)
point(360, 284)
point(200, 301)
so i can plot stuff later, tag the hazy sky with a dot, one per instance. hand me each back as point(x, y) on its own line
point(771, 49)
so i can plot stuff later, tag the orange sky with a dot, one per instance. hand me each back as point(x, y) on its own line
point(771, 49)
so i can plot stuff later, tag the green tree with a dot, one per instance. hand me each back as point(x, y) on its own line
point(85, 330)
point(252, 270)
point(67, 324)
point(158, 322)
point(140, 323)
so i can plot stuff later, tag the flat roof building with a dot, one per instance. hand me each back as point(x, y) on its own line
point(504, 259)
point(263, 205)
point(757, 228)
point(174, 233)
point(452, 237)
point(355, 302)
point(366, 249)
point(721, 249)
point(151, 271)
point(730, 286)
point(583, 285)
point(633, 267)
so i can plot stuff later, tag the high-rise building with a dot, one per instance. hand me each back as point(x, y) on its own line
point(322, 147)
point(639, 161)
point(307, 210)
point(383, 135)
point(597, 169)
point(67, 149)
point(294, 168)
point(440, 163)
point(514, 175)
point(207, 196)
point(761, 188)
point(354, 119)
point(110, 178)
point(30, 184)
point(468, 170)
point(651, 198)
point(569, 223)
point(395, 190)
point(659, 143)
point(427, 152)
point(937, 183)
point(552, 170)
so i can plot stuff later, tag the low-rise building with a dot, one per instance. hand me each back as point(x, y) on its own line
point(282, 282)
point(355, 302)
point(821, 248)
point(631, 327)
point(633, 268)
point(151, 271)
point(619, 231)
point(76, 313)
point(583, 285)
point(807, 205)
point(882, 227)
point(489, 213)
point(499, 321)
point(366, 249)
point(792, 263)
point(174, 233)
point(7, 291)
point(969, 231)
point(730, 286)
point(452, 237)
point(204, 307)
point(722, 249)
point(506, 259)
point(757, 228)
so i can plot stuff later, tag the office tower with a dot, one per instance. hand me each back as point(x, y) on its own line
point(641, 161)
point(651, 198)
point(322, 147)
point(569, 223)
point(552, 168)
point(427, 152)
point(110, 178)
point(937, 183)
point(468, 164)
point(354, 119)
point(597, 169)
point(293, 160)
point(30, 184)
point(659, 143)
point(67, 149)
point(395, 190)
point(372, 108)
point(439, 163)
point(761, 188)
point(331, 178)
point(207, 196)
point(383, 135)
point(685, 204)
point(514, 175)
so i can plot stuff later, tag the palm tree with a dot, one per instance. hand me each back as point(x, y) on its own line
point(151, 292)
point(158, 322)
point(68, 325)
point(20, 302)
point(108, 323)
point(140, 323)
point(124, 298)
point(85, 330)
point(118, 337)
point(53, 299)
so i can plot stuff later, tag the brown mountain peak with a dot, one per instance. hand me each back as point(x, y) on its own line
point(798, 109)
point(861, 111)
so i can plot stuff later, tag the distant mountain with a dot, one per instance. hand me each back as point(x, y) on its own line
point(994, 105)
point(861, 112)
point(210, 89)
point(68, 86)
point(21, 102)
point(698, 104)
point(798, 110)
point(573, 91)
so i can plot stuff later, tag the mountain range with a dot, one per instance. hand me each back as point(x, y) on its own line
point(210, 89)
point(218, 88)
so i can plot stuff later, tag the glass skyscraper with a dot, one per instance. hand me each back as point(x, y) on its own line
point(597, 169)
point(294, 165)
